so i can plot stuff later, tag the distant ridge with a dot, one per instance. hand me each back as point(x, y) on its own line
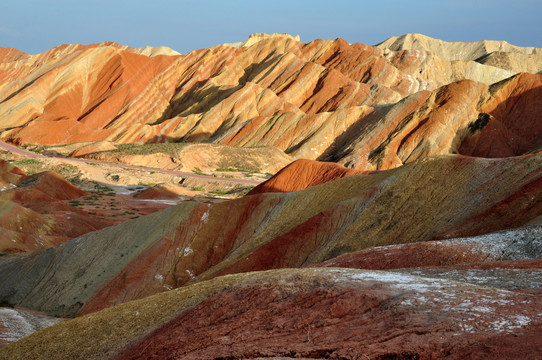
point(457, 50)
point(323, 100)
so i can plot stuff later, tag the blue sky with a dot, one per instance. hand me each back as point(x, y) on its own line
point(35, 26)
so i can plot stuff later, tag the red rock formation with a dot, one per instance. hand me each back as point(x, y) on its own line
point(309, 100)
point(43, 210)
point(302, 174)
point(159, 192)
point(508, 121)
point(464, 117)
point(505, 249)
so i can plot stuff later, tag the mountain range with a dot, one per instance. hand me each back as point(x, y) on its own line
point(400, 216)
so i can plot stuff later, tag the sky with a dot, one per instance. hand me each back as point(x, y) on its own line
point(35, 26)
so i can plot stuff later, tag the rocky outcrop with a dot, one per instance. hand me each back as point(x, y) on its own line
point(92, 148)
point(513, 245)
point(309, 313)
point(203, 157)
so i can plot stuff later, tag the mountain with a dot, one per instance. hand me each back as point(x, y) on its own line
point(303, 98)
point(454, 50)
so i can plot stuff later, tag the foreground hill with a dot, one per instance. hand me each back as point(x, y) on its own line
point(307, 99)
point(435, 198)
point(309, 313)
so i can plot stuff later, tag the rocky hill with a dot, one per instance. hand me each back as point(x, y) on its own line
point(434, 198)
point(304, 98)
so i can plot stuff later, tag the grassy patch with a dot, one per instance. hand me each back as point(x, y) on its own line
point(197, 188)
point(198, 171)
point(26, 162)
point(170, 149)
point(220, 192)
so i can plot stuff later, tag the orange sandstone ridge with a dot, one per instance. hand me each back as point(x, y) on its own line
point(323, 100)
point(302, 174)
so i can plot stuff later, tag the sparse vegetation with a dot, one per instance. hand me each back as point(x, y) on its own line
point(198, 171)
point(102, 188)
point(482, 120)
point(67, 171)
point(197, 188)
point(220, 192)
point(170, 149)
point(26, 162)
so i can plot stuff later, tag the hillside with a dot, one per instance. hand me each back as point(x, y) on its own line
point(325, 87)
point(435, 198)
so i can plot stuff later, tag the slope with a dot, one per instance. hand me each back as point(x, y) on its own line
point(435, 198)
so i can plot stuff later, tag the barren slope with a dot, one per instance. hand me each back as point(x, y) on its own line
point(305, 99)
point(435, 198)
point(309, 313)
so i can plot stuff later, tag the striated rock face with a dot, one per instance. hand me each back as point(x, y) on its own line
point(436, 198)
point(309, 313)
point(310, 100)
point(302, 174)
point(464, 117)
point(515, 244)
point(508, 123)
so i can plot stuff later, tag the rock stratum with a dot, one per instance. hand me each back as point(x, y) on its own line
point(325, 100)
point(418, 236)
point(278, 314)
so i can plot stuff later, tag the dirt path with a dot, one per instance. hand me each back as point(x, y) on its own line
point(30, 154)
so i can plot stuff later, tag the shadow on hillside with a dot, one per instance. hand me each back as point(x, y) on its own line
point(511, 129)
